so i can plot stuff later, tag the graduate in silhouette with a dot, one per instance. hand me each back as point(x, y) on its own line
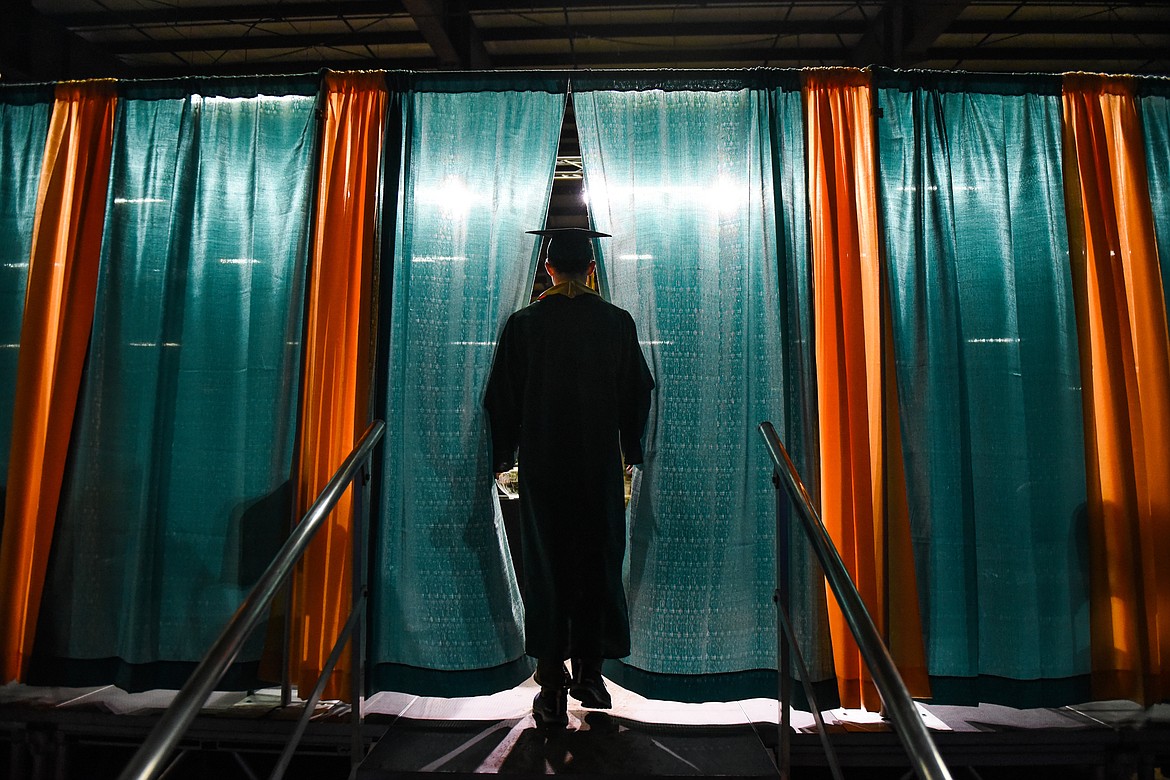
point(570, 390)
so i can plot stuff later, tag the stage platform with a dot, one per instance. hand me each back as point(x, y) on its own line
point(90, 733)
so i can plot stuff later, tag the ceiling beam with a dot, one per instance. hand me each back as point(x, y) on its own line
point(696, 58)
point(1086, 26)
point(447, 27)
point(210, 14)
point(284, 66)
point(904, 30)
point(1073, 55)
point(758, 29)
point(262, 42)
point(512, 6)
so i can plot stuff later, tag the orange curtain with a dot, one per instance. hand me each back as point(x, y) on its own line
point(1125, 371)
point(862, 503)
point(335, 384)
point(54, 337)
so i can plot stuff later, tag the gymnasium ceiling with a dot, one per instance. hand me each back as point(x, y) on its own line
point(47, 40)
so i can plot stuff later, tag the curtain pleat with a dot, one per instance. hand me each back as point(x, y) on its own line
point(1156, 131)
point(58, 315)
point(808, 610)
point(336, 371)
point(182, 446)
point(851, 383)
point(1125, 368)
point(24, 129)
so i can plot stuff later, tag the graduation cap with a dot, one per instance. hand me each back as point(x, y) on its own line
point(569, 249)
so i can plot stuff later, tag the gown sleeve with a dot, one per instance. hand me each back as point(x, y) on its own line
point(504, 398)
point(637, 383)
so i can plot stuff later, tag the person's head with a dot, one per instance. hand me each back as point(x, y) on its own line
point(569, 253)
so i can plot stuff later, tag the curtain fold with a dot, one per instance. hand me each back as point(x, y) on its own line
point(336, 375)
point(1155, 121)
point(177, 495)
point(808, 608)
point(24, 128)
point(683, 179)
point(987, 362)
point(857, 492)
point(1125, 362)
point(476, 173)
point(62, 278)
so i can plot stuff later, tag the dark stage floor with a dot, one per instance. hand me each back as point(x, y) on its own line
point(91, 733)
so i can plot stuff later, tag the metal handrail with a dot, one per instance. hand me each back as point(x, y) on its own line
point(924, 755)
point(193, 695)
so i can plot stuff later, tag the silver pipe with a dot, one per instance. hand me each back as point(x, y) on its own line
point(191, 698)
point(806, 682)
point(783, 650)
point(924, 755)
point(347, 633)
point(357, 643)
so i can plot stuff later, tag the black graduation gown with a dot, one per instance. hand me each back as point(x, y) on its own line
point(569, 387)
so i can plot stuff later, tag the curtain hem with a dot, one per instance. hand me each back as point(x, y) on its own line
point(725, 686)
point(1022, 694)
point(136, 678)
point(418, 681)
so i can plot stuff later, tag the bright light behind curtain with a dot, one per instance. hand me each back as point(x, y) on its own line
point(24, 125)
point(862, 487)
point(982, 307)
point(55, 330)
point(684, 182)
point(178, 493)
point(335, 410)
point(477, 173)
point(1125, 361)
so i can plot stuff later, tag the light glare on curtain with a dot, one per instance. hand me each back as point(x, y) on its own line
point(479, 173)
point(683, 182)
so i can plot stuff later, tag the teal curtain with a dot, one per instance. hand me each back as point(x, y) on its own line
point(989, 386)
point(24, 127)
point(177, 493)
point(1155, 112)
point(687, 180)
point(477, 169)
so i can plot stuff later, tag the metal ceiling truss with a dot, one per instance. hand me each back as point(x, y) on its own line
point(282, 37)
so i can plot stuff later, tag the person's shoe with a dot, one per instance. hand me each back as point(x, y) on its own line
point(550, 708)
point(588, 687)
point(551, 705)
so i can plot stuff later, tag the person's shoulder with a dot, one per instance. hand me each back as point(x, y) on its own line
point(615, 310)
point(523, 317)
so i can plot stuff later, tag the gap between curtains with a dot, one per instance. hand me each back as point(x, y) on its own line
point(1125, 366)
point(863, 502)
point(58, 315)
point(336, 374)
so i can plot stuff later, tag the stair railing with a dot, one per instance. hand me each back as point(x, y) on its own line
point(173, 723)
point(899, 706)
